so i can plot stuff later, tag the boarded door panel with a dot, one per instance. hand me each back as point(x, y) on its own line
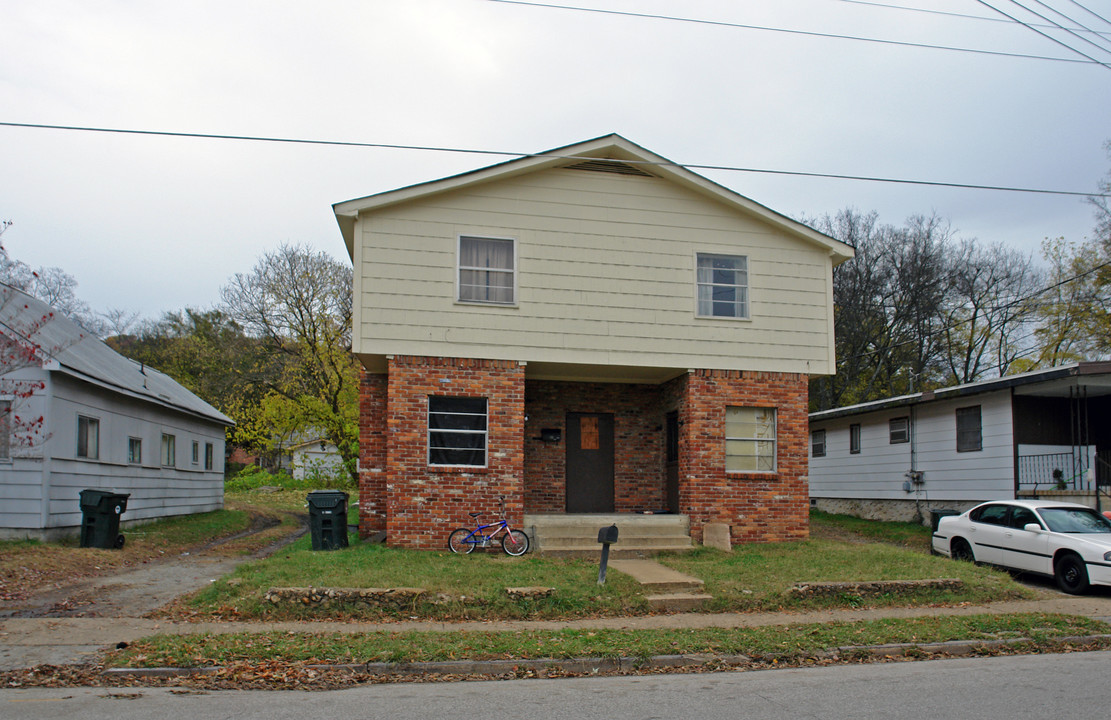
point(589, 462)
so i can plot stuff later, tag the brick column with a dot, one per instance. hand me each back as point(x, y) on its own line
point(372, 454)
point(760, 507)
point(425, 503)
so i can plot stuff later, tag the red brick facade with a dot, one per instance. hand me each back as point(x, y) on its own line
point(760, 507)
point(418, 504)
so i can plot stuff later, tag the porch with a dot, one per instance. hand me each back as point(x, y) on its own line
point(639, 535)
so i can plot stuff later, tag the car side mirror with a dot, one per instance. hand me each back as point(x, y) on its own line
point(1033, 527)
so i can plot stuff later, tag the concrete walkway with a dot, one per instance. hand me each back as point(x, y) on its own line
point(25, 642)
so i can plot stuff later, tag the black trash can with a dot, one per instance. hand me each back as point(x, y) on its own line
point(328, 519)
point(937, 513)
point(100, 518)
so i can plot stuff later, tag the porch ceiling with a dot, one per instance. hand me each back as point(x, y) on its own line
point(600, 373)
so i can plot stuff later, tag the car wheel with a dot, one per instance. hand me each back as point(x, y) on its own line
point(1071, 574)
point(961, 550)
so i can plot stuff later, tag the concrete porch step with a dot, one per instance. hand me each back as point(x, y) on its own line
point(677, 602)
point(656, 577)
point(638, 535)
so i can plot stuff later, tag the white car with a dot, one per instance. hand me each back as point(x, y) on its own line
point(1068, 542)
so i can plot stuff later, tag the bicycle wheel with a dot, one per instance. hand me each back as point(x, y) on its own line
point(515, 543)
point(460, 541)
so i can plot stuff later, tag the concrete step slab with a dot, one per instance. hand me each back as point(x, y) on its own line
point(677, 602)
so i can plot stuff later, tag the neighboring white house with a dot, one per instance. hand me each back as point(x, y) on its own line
point(1036, 434)
point(74, 414)
point(315, 456)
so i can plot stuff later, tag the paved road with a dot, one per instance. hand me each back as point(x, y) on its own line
point(1029, 686)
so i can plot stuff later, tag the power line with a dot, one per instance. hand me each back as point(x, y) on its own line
point(1055, 24)
point(964, 16)
point(510, 153)
point(1090, 11)
point(1044, 35)
point(1079, 26)
point(806, 33)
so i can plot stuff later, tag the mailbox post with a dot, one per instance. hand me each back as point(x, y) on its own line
point(606, 536)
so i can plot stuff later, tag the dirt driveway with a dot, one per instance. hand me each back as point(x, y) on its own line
point(71, 623)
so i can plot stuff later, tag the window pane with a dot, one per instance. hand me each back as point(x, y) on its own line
point(486, 270)
point(5, 429)
point(722, 285)
point(457, 431)
point(486, 253)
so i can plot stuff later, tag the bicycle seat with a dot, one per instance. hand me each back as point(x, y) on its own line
point(474, 514)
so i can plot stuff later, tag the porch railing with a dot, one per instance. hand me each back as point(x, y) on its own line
point(1054, 471)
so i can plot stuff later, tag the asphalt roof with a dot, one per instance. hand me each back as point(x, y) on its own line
point(64, 346)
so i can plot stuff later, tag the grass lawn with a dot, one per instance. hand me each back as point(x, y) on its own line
point(319, 648)
point(753, 577)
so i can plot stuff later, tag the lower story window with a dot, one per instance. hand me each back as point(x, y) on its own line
point(88, 437)
point(134, 451)
point(208, 456)
point(749, 439)
point(169, 454)
point(457, 431)
point(5, 429)
point(818, 443)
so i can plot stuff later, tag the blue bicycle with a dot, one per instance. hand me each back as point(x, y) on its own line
point(514, 542)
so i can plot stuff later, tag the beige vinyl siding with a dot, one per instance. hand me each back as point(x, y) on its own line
point(606, 276)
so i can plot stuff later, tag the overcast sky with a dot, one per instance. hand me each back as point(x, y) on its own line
point(152, 223)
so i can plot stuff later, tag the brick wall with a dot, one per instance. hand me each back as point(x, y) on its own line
point(372, 454)
point(760, 507)
point(638, 431)
point(425, 502)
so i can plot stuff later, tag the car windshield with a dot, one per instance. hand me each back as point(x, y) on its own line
point(1075, 520)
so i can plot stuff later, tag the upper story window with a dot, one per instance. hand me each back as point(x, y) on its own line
point(899, 430)
point(457, 431)
point(969, 429)
point(88, 437)
point(818, 443)
point(722, 282)
point(487, 270)
point(749, 439)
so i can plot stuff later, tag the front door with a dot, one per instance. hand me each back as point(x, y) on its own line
point(589, 462)
point(672, 462)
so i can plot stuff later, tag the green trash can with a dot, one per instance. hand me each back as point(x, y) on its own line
point(328, 519)
point(937, 513)
point(100, 518)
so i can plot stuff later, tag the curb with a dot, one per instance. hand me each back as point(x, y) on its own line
point(599, 665)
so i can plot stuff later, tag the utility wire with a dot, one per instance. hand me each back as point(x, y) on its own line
point(806, 33)
point(510, 153)
point(1090, 11)
point(1044, 35)
point(1078, 26)
point(1070, 31)
point(963, 16)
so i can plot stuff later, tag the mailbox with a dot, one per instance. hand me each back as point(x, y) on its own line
point(608, 535)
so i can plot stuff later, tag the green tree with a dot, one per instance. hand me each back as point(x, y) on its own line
point(297, 304)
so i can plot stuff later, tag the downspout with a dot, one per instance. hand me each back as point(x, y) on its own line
point(1015, 469)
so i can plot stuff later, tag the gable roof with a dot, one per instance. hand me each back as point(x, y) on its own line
point(61, 345)
point(608, 147)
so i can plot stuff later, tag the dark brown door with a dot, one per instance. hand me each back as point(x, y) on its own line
point(589, 462)
point(671, 465)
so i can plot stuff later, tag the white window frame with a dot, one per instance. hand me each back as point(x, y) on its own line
point(755, 442)
point(818, 443)
point(6, 409)
point(133, 444)
point(485, 432)
point(459, 268)
point(196, 453)
point(898, 430)
point(972, 410)
point(92, 449)
point(169, 442)
point(698, 284)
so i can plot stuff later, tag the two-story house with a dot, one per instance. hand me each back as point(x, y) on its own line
point(592, 329)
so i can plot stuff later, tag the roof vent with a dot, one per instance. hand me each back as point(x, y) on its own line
point(609, 166)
